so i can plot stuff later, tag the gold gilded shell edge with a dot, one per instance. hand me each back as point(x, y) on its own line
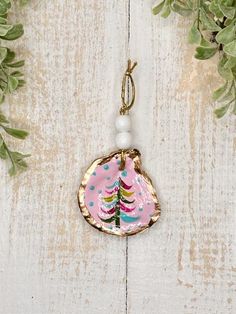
point(135, 155)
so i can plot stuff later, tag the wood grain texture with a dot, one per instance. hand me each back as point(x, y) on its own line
point(186, 264)
point(51, 260)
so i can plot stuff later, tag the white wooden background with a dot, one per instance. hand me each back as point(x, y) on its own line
point(51, 260)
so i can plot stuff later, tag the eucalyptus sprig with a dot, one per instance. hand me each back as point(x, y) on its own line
point(213, 30)
point(11, 79)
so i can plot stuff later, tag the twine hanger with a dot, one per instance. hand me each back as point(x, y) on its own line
point(125, 89)
point(127, 104)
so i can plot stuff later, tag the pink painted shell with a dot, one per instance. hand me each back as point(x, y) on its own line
point(120, 202)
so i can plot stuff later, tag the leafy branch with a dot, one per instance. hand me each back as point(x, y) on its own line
point(213, 30)
point(11, 79)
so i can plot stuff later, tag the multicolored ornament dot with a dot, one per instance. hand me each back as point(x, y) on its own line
point(124, 173)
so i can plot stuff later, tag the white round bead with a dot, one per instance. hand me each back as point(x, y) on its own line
point(123, 140)
point(123, 123)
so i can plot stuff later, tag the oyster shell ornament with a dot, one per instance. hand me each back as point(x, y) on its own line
point(116, 196)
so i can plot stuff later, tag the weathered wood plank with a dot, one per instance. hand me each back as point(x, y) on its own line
point(185, 263)
point(52, 261)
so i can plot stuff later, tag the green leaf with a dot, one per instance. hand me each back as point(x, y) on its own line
point(208, 22)
point(2, 97)
point(157, 9)
point(3, 54)
point(166, 9)
point(234, 72)
point(4, 6)
point(191, 5)
point(23, 2)
point(17, 133)
point(194, 35)
point(225, 72)
point(14, 33)
point(220, 92)
point(227, 22)
point(227, 34)
point(234, 108)
point(1, 141)
point(228, 97)
point(166, 12)
point(21, 83)
point(220, 112)
point(17, 64)
point(4, 16)
point(3, 152)
point(2, 20)
point(4, 29)
point(12, 83)
point(18, 156)
point(214, 8)
point(18, 162)
point(3, 119)
point(231, 62)
point(10, 56)
point(203, 53)
point(17, 74)
point(229, 12)
point(12, 171)
point(180, 9)
point(230, 48)
point(205, 43)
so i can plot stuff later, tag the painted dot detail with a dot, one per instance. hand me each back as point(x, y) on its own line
point(105, 167)
point(140, 209)
point(124, 173)
point(92, 187)
point(99, 191)
point(108, 178)
point(91, 204)
point(94, 173)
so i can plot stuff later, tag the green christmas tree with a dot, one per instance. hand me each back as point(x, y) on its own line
point(116, 203)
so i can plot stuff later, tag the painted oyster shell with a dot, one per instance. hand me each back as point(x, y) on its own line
point(120, 202)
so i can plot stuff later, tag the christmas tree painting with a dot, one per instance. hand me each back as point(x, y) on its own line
point(118, 203)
